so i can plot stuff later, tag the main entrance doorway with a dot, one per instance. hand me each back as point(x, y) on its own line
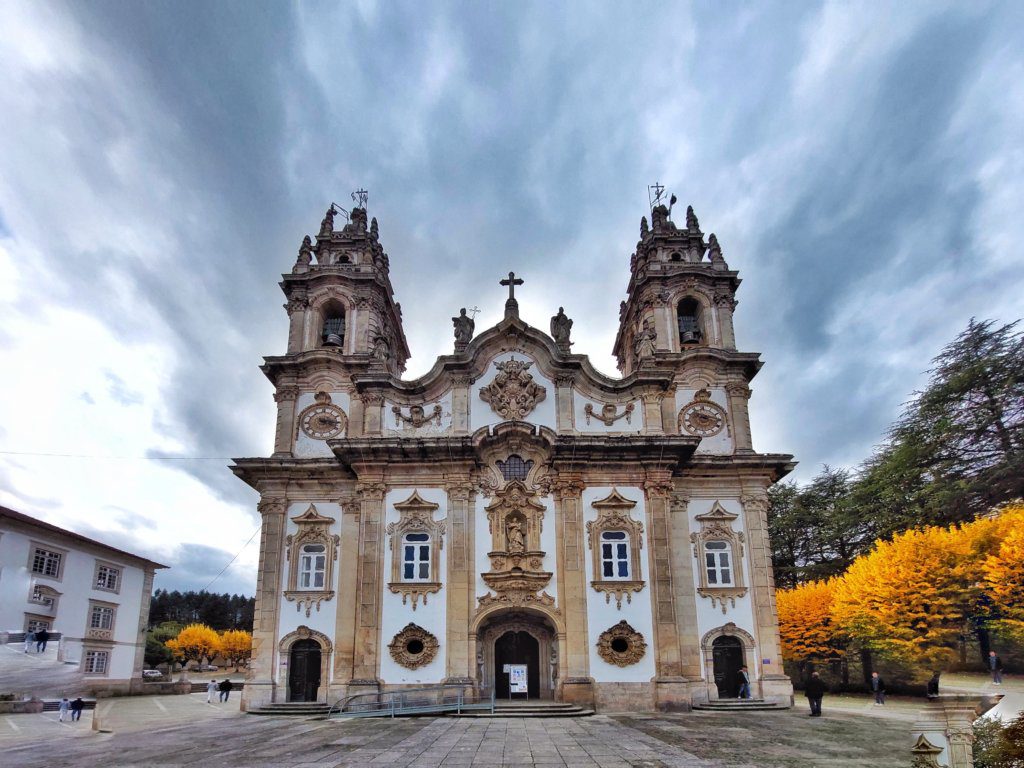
point(727, 652)
point(518, 637)
point(517, 648)
point(304, 671)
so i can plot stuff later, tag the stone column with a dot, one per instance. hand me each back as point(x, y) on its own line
point(670, 692)
point(348, 575)
point(368, 586)
point(460, 666)
point(725, 305)
point(684, 582)
point(563, 404)
point(775, 684)
point(577, 685)
point(652, 412)
point(739, 393)
point(296, 306)
point(285, 429)
point(260, 679)
point(372, 403)
point(460, 404)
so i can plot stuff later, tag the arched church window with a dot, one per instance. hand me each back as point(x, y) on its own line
point(515, 468)
point(718, 562)
point(676, 256)
point(614, 555)
point(333, 334)
point(312, 566)
point(416, 557)
point(689, 321)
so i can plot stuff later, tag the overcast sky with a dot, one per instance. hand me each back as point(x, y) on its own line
point(861, 164)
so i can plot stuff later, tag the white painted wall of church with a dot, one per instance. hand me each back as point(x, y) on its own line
point(547, 543)
point(432, 616)
point(602, 615)
point(716, 444)
point(395, 426)
point(635, 423)
point(305, 446)
point(711, 617)
point(322, 620)
point(481, 414)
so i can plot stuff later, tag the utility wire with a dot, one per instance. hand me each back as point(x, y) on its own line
point(117, 458)
point(207, 587)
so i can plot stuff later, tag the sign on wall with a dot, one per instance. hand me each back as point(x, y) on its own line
point(517, 679)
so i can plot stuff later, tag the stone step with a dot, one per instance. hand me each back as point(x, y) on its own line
point(739, 705)
point(533, 710)
point(294, 709)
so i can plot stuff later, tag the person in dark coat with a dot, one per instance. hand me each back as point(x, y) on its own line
point(815, 690)
point(41, 637)
point(995, 665)
point(76, 709)
point(225, 689)
point(878, 688)
point(933, 686)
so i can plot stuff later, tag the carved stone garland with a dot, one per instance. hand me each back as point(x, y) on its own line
point(417, 416)
point(716, 525)
point(513, 394)
point(515, 520)
point(609, 413)
point(313, 528)
point(416, 515)
point(413, 647)
point(621, 645)
point(613, 515)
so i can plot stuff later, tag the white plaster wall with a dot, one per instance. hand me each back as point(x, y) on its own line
point(76, 588)
point(717, 444)
point(291, 617)
point(395, 426)
point(482, 415)
point(635, 423)
point(709, 617)
point(602, 615)
point(305, 446)
point(432, 616)
point(547, 543)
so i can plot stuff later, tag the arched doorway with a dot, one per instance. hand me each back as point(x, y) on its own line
point(518, 637)
point(304, 661)
point(727, 653)
point(517, 648)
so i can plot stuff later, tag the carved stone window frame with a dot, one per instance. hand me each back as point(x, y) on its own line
point(717, 525)
point(415, 515)
point(613, 514)
point(45, 596)
point(311, 528)
point(413, 633)
point(634, 645)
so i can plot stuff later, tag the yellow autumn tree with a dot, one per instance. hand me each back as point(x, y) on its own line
point(236, 646)
point(194, 643)
point(1004, 574)
point(806, 626)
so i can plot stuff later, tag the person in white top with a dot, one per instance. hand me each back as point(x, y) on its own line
point(211, 688)
point(30, 640)
point(63, 707)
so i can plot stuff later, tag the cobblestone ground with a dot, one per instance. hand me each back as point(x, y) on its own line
point(695, 740)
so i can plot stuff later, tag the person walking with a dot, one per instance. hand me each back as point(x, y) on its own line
point(41, 637)
point(225, 689)
point(210, 688)
point(63, 708)
point(815, 690)
point(744, 684)
point(30, 640)
point(933, 686)
point(995, 665)
point(76, 709)
point(878, 686)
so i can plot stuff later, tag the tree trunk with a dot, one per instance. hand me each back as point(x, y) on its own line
point(984, 644)
point(866, 665)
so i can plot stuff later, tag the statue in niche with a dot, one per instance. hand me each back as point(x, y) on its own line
point(464, 326)
point(560, 328)
point(381, 349)
point(646, 340)
point(514, 535)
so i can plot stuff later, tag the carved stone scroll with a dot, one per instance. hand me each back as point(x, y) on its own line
point(609, 413)
point(417, 416)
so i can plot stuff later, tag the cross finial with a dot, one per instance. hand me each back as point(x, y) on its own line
point(512, 306)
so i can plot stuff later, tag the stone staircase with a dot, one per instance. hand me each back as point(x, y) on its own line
point(534, 708)
point(739, 705)
point(293, 709)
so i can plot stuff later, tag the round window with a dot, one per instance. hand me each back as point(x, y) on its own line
point(414, 647)
point(620, 645)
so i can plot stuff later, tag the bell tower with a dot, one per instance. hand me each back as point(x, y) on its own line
point(681, 295)
point(340, 300)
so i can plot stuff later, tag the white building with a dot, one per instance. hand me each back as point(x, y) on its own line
point(97, 597)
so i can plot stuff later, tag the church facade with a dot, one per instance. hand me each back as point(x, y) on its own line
point(514, 506)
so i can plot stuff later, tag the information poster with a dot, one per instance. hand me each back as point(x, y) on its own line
point(517, 679)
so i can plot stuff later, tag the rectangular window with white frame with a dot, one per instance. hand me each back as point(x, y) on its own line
point(312, 566)
point(718, 562)
point(416, 557)
point(37, 623)
point(101, 616)
point(47, 561)
point(96, 662)
point(614, 555)
point(108, 577)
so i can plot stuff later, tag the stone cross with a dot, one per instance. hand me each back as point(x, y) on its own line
point(512, 282)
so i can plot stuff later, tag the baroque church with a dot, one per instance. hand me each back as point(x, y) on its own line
point(514, 506)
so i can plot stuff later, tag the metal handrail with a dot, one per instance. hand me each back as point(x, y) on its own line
point(421, 700)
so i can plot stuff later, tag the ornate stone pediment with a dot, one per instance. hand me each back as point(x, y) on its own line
point(613, 517)
point(716, 531)
point(416, 516)
point(312, 529)
point(513, 394)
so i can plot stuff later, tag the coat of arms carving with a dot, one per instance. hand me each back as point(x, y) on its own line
point(513, 394)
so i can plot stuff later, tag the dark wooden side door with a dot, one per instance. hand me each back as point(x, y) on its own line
point(304, 671)
point(728, 657)
point(517, 648)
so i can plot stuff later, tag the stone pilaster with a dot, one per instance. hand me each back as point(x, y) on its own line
point(576, 684)
point(684, 583)
point(285, 398)
point(670, 687)
point(140, 640)
point(460, 404)
point(652, 412)
point(775, 684)
point(563, 403)
point(297, 307)
point(725, 305)
point(739, 394)
point(372, 405)
point(460, 666)
point(260, 680)
point(368, 587)
point(348, 575)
